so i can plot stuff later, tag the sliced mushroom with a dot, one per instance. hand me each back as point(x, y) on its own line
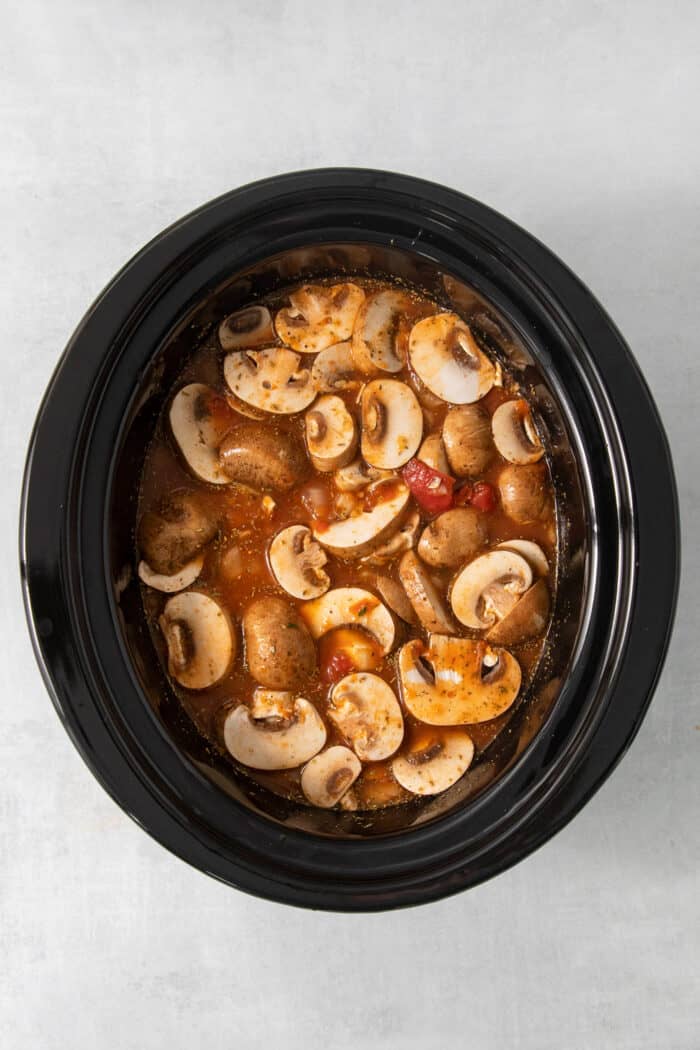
point(270, 379)
point(452, 538)
point(374, 337)
point(466, 432)
point(365, 710)
point(276, 734)
point(447, 360)
point(201, 644)
point(357, 535)
point(326, 778)
point(178, 581)
point(435, 762)
point(432, 452)
point(524, 492)
point(527, 619)
point(396, 598)
point(357, 475)
point(254, 455)
point(423, 596)
point(249, 327)
point(297, 563)
point(350, 607)
point(174, 533)
point(198, 432)
point(457, 681)
point(331, 434)
point(280, 652)
point(514, 433)
point(403, 540)
point(530, 551)
point(319, 316)
point(392, 423)
point(334, 369)
point(489, 587)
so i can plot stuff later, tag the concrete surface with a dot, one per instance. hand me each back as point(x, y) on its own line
point(579, 120)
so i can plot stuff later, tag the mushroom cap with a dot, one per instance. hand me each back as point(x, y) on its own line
point(174, 532)
point(279, 650)
point(374, 335)
point(272, 379)
point(530, 551)
point(350, 607)
point(357, 535)
point(201, 644)
point(447, 360)
point(319, 316)
point(365, 709)
point(436, 765)
point(178, 581)
point(331, 434)
point(432, 452)
point(457, 681)
point(271, 741)
point(392, 423)
point(334, 369)
point(527, 619)
point(197, 435)
point(257, 456)
point(524, 492)
point(466, 433)
point(251, 326)
point(452, 537)
point(514, 433)
point(326, 778)
point(423, 596)
point(297, 561)
point(488, 588)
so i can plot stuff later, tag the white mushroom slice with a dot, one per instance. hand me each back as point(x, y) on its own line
point(432, 452)
point(319, 316)
point(357, 475)
point(514, 433)
point(530, 551)
point(423, 596)
point(350, 607)
point(331, 434)
point(401, 541)
point(326, 778)
point(447, 360)
point(272, 737)
point(374, 336)
point(297, 563)
point(457, 681)
point(355, 536)
point(334, 369)
point(249, 327)
point(436, 764)
point(179, 580)
point(365, 710)
point(197, 434)
point(270, 379)
point(392, 423)
point(201, 644)
point(489, 587)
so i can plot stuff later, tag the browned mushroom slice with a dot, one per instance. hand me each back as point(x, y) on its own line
point(280, 731)
point(328, 776)
point(392, 423)
point(331, 434)
point(198, 431)
point(527, 619)
point(254, 455)
point(447, 360)
point(201, 644)
point(466, 433)
point(246, 328)
point(319, 316)
point(374, 337)
point(297, 563)
point(365, 709)
point(514, 433)
point(435, 762)
point(524, 492)
point(396, 598)
point(457, 681)
point(272, 379)
point(488, 588)
point(424, 597)
point(453, 537)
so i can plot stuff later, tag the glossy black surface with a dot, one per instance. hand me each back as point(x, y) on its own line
point(615, 467)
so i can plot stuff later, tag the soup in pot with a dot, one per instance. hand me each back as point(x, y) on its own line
point(347, 545)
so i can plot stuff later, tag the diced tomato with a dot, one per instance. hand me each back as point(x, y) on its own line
point(483, 497)
point(463, 495)
point(337, 667)
point(431, 488)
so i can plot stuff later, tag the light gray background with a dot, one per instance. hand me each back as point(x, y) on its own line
point(578, 120)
